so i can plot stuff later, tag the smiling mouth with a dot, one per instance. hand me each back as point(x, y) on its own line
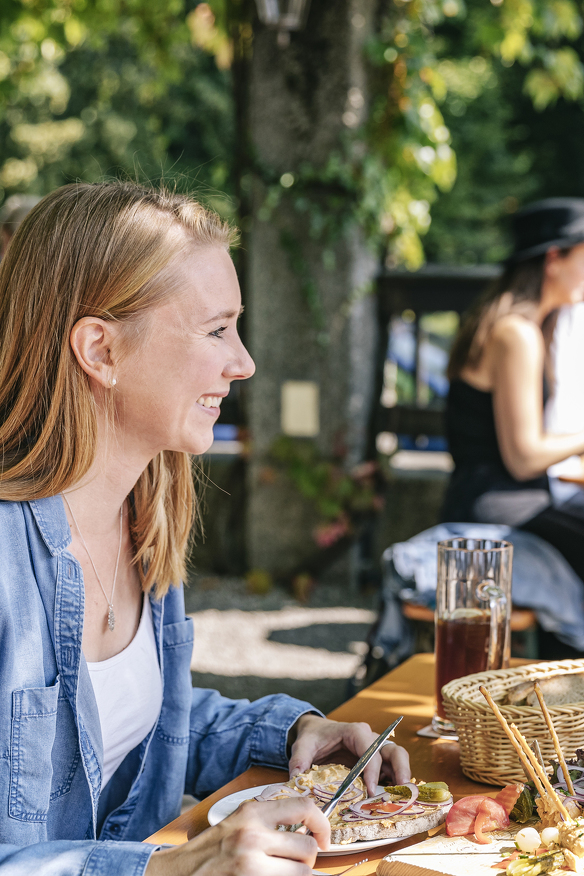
point(210, 401)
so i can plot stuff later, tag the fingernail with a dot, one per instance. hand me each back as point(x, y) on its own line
point(295, 772)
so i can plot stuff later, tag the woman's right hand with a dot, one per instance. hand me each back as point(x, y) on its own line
point(248, 844)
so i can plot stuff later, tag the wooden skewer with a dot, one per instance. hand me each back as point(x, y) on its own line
point(537, 751)
point(542, 775)
point(554, 735)
point(522, 757)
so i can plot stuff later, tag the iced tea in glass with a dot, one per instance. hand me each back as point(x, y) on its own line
point(473, 612)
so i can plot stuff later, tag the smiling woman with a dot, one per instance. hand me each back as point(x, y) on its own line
point(118, 341)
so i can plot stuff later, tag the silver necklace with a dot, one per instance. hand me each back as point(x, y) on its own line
point(111, 618)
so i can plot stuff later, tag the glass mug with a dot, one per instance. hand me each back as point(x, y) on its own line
point(473, 612)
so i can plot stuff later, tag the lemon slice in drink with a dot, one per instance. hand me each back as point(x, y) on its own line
point(466, 613)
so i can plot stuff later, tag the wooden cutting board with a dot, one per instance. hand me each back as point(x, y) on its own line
point(452, 856)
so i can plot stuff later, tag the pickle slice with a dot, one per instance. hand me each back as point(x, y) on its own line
point(431, 792)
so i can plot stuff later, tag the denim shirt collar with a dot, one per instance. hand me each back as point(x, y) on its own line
point(52, 523)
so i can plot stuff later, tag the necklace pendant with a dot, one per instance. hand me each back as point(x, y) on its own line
point(111, 618)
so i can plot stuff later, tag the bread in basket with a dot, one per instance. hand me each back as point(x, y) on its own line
point(486, 755)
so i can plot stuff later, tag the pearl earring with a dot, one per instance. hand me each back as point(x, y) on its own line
point(113, 381)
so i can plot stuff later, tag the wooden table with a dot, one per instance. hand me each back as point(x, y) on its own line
point(576, 478)
point(407, 691)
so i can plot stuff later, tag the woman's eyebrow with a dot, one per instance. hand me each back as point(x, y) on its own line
point(225, 314)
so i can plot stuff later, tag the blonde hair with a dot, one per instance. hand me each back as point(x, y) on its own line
point(91, 250)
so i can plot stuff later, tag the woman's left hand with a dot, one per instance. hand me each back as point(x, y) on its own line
point(315, 738)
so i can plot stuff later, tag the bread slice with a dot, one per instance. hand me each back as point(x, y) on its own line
point(390, 828)
point(557, 690)
point(343, 832)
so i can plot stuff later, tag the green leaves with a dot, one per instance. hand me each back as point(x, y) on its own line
point(339, 498)
point(561, 75)
point(139, 87)
point(414, 76)
point(91, 88)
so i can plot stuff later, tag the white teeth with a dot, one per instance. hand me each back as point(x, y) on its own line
point(210, 401)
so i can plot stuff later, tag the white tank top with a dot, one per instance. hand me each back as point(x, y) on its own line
point(128, 690)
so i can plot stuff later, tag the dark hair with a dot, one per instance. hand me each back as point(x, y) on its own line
point(520, 282)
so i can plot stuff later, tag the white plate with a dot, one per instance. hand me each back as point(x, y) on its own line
point(224, 807)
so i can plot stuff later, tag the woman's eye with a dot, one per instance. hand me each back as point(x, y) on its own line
point(218, 332)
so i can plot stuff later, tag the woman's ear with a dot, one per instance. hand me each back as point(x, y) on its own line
point(91, 340)
point(552, 262)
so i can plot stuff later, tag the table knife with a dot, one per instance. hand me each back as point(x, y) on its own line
point(353, 774)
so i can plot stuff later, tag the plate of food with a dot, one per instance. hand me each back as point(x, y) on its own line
point(358, 822)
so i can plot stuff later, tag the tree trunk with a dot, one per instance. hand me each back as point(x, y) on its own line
point(306, 320)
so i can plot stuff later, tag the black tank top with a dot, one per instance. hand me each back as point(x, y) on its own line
point(479, 468)
point(470, 425)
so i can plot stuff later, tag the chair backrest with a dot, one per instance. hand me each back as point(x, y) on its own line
point(431, 289)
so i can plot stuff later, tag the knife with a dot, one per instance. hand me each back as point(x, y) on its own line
point(353, 774)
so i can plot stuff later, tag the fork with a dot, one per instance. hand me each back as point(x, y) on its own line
point(352, 867)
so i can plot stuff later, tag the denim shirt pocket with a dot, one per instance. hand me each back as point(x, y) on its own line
point(177, 645)
point(34, 722)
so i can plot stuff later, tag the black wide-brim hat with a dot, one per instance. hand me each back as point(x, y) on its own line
point(543, 224)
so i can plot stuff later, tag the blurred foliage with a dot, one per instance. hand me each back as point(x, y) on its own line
point(511, 149)
point(90, 89)
point(440, 60)
point(430, 62)
point(339, 497)
point(259, 581)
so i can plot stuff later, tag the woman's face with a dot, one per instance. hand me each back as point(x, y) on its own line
point(169, 390)
point(567, 272)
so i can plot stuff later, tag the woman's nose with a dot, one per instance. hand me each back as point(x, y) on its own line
point(241, 366)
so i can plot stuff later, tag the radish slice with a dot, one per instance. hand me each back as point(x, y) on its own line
point(357, 808)
point(351, 816)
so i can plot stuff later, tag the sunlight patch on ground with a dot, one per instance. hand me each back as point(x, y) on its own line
point(234, 643)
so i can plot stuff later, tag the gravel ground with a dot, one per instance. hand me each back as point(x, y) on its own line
point(249, 645)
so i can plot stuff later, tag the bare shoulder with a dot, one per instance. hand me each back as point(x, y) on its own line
point(515, 333)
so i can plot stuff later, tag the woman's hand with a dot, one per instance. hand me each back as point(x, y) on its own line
point(248, 844)
point(316, 738)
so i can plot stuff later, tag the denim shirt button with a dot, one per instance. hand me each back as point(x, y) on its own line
point(114, 828)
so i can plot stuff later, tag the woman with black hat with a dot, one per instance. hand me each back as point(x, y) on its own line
point(495, 404)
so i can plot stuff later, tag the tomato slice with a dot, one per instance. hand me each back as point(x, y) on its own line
point(382, 807)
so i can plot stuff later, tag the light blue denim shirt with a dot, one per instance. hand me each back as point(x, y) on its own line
point(54, 818)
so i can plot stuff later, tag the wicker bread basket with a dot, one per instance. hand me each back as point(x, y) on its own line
point(486, 755)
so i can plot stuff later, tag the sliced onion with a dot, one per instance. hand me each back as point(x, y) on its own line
point(352, 792)
point(271, 791)
point(430, 805)
point(415, 809)
point(571, 769)
point(301, 790)
point(579, 796)
point(352, 816)
point(576, 783)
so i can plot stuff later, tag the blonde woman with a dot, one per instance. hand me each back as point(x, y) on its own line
point(118, 341)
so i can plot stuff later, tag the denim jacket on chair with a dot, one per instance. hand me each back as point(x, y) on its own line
point(54, 818)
